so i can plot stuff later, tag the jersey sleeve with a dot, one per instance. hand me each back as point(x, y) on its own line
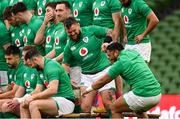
point(143, 8)
point(114, 6)
point(99, 31)
point(115, 70)
point(54, 73)
point(67, 54)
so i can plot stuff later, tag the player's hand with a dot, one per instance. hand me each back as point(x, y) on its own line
point(88, 90)
point(28, 99)
point(104, 47)
point(47, 18)
point(125, 40)
point(139, 38)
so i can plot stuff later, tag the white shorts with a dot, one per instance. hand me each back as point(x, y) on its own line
point(3, 78)
point(88, 79)
point(75, 73)
point(65, 106)
point(144, 49)
point(140, 104)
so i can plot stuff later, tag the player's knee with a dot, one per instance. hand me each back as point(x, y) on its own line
point(33, 105)
point(85, 108)
point(113, 108)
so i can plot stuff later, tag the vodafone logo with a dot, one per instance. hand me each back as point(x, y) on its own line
point(12, 83)
point(46, 83)
point(40, 11)
point(96, 11)
point(27, 84)
point(126, 19)
point(25, 39)
point(17, 42)
point(75, 13)
point(83, 51)
point(48, 39)
point(57, 41)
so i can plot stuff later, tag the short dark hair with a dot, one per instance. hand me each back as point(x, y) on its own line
point(51, 4)
point(69, 22)
point(7, 13)
point(12, 50)
point(28, 47)
point(32, 53)
point(115, 46)
point(19, 7)
point(67, 5)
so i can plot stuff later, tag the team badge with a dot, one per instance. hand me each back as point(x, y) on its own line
point(129, 10)
point(12, 34)
point(10, 76)
point(103, 3)
point(25, 75)
point(44, 2)
point(17, 42)
point(29, 31)
point(80, 4)
point(83, 51)
point(96, 11)
point(48, 39)
point(57, 41)
point(32, 76)
point(75, 13)
point(85, 39)
point(27, 84)
point(126, 19)
point(73, 48)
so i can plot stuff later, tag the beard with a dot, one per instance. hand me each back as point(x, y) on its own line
point(127, 4)
point(11, 66)
point(37, 67)
point(77, 38)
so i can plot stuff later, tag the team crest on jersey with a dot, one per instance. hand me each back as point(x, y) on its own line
point(75, 13)
point(12, 34)
point(29, 31)
point(40, 11)
point(122, 10)
point(85, 39)
point(57, 41)
point(83, 51)
point(27, 84)
point(20, 34)
point(12, 83)
point(129, 11)
point(96, 11)
point(25, 75)
point(73, 48)
point(44, 2)
point(48, 39)
point(80, 4)
point(25, 39)
point(32, 76)
point(126, 19)
point(103, 3)
point(10, 76)
point(17, 42)
point(94, 3)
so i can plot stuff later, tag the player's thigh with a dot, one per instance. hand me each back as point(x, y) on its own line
point(108, 95)
point(88, 98)
point(46, 106)
point(120, 105)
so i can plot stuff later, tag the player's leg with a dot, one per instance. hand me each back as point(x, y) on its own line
point(45, 106)
point(87, 100)
point(24, 111)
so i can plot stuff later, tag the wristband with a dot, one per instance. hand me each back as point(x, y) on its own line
point(18, 99)
point(89, 89)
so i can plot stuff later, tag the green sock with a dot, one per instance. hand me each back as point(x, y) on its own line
point(9, 115)
point(110, 114)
